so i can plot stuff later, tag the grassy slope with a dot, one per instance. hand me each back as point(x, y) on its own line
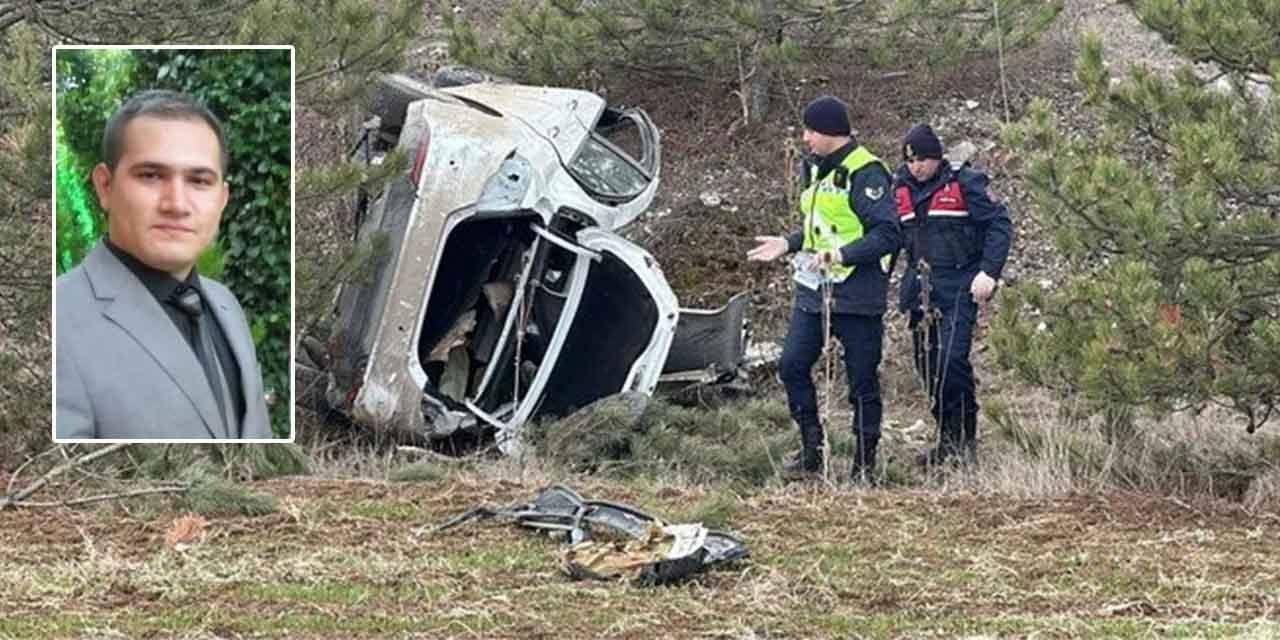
point(347, 558)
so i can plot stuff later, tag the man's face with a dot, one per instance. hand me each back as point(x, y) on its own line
point(923, 168)
point(165, 198)
point(821, 143)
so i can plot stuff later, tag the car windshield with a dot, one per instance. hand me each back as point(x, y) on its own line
point(606, 172)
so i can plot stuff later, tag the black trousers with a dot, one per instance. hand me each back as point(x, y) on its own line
point(942, 355)
point(862, 337)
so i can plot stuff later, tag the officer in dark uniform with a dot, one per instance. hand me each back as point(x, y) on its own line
point(957, 234)
point(841, 257)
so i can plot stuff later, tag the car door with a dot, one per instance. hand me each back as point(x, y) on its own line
point(614, 317)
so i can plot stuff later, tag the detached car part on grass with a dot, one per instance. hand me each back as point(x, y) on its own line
point(605, 540)
point(504, 293)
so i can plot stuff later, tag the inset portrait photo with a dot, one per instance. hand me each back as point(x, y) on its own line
point(173, 243)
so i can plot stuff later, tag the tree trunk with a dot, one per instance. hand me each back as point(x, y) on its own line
point(757, 89)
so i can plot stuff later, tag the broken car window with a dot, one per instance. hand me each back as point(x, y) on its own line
point(606, 172)
point(629, 133)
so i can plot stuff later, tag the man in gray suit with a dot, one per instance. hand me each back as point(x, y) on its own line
point(146, 347)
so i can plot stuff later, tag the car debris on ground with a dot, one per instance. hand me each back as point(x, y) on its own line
point(610, 541)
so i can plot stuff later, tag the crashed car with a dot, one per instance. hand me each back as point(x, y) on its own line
point(505, 292)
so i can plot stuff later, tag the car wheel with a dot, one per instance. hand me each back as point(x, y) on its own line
point(392, 96)
point(457, 76)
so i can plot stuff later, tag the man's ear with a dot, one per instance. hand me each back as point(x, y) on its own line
point(226, 196)
point(102, 184)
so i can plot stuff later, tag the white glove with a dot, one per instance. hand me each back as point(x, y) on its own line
point(982, 288)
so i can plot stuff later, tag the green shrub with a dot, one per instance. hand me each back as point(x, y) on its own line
point(743, 443)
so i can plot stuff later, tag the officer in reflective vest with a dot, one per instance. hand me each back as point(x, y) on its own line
point(957, 234)
point(849, 231)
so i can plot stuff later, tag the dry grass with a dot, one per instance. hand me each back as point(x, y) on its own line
point(1039, 451)
point(1029, 449)
point(1039, 542)
point(1264, 492)
point(349, 559)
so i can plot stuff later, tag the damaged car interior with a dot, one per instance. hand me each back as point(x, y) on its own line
point(495, 318)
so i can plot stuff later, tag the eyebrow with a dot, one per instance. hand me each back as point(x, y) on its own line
point(159, 166)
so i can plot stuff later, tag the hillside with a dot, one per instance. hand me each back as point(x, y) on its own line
point(710, 157)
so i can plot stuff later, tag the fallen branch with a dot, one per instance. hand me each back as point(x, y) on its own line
point(8, 491)
point(430, 455)
point(102, 498)
point(12, 500)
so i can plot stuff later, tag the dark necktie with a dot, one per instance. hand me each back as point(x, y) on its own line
point(188, 300)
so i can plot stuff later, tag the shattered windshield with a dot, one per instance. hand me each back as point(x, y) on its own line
point(606, 172)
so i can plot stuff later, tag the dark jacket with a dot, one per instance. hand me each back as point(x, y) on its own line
point(871, 197)
point(957, 224)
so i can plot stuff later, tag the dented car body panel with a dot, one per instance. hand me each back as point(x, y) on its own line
point(499, 291)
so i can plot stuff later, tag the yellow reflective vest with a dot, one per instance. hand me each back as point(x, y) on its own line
point(829, 220)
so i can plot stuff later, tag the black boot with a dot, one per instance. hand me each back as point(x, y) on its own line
point(950, 442)
point(970, 446)
point(863, 470)
point(807, 464)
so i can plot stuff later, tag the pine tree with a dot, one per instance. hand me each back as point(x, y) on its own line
point(744, 43)
point(1170, 222)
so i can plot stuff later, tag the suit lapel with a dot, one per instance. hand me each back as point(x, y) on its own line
point(126, 302)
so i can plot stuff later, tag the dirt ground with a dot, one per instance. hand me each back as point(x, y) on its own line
point(353, 558)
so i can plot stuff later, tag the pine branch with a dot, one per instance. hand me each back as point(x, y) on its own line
point(13, 500)
point(341, 65)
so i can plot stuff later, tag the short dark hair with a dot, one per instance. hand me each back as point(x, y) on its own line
point(166, 105)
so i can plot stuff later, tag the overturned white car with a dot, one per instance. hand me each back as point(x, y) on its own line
point(505, 294)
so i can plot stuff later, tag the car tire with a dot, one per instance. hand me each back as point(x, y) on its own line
point(458, 76)
point(392, 96)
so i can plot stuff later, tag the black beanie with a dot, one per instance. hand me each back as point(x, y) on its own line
point(921, 142)
point(827, 115)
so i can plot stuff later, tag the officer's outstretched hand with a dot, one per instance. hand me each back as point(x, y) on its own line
point(982, 288)
point(769, 248)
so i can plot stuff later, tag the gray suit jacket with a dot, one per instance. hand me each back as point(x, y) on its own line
point(126, 372)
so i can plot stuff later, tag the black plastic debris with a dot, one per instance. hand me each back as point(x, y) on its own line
point(606, 540)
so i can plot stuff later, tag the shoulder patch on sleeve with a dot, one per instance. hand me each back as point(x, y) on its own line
point(874, 181)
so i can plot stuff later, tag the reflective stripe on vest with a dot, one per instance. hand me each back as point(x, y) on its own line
point(947, 202)
point(829, 220)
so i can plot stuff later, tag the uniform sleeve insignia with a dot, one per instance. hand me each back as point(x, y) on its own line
point(875, 193)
